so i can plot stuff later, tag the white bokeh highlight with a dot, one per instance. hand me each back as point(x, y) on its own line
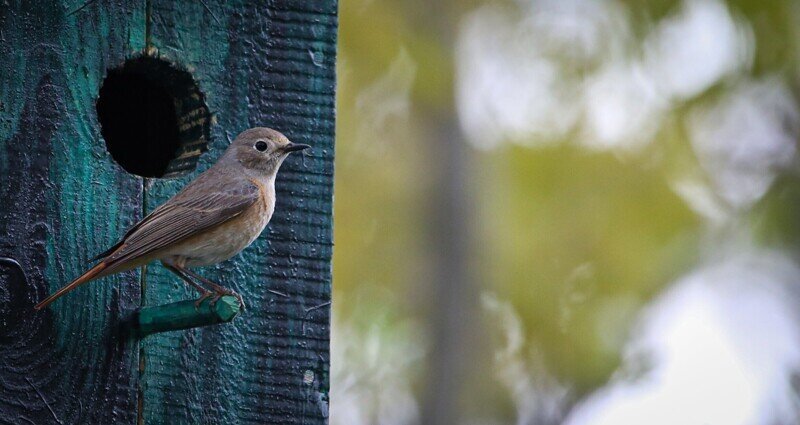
point(743, 140)
point(721, 347)
point(552, 69)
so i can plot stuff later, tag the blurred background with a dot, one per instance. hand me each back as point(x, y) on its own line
point(567, 211)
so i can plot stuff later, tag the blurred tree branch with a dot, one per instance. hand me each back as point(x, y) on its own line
point(454, 309)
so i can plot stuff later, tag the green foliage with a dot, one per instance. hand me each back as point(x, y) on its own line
point(579, 241)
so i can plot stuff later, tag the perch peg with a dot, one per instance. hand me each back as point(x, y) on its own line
point(185, 315)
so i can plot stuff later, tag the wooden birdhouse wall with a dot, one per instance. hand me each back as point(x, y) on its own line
point(65, 198)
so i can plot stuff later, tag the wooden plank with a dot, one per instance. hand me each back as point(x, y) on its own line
point(63, 200)
point(272, 64)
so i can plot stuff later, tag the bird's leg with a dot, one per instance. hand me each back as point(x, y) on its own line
point(217, 288)
point(204, 293)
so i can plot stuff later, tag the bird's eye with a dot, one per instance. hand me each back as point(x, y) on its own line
point(261, 145)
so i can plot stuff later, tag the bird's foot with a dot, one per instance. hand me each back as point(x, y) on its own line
point(205, 294)
point(220, 292)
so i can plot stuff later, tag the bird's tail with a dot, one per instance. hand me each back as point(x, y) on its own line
point(89, 275)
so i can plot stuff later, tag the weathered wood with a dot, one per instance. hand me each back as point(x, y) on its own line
point(184, 315)
point(258, 63)
point(65, 199)
point(62, 199)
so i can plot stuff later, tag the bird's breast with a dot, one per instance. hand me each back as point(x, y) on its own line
point(227, 239)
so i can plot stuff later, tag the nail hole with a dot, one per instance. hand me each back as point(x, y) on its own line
point(153, 118)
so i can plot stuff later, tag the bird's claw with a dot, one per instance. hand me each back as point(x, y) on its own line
point(201, 299)
point(222, 293)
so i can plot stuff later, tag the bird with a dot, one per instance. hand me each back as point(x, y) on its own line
point(214, 217)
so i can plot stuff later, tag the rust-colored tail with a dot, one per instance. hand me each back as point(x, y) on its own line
point(89, 275)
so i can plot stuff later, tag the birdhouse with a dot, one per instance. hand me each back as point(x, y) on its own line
point(109, 108)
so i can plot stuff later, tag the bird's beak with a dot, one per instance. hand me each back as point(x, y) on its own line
point(293, 147)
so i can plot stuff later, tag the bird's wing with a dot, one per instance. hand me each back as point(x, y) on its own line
point(185, 215)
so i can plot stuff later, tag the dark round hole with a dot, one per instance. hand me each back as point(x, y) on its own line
point(153, 118)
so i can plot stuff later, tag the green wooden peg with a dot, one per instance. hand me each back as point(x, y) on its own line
point(185, 315)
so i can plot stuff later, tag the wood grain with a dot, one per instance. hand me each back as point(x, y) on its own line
point(259, 64)
point(62, 199)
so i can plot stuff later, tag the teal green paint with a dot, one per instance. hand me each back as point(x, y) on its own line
point(203, 50)
point(88, 182)
point(91, 189)
point(186, 314)
point(250, 370)
point(252, 61)
point(67, 201)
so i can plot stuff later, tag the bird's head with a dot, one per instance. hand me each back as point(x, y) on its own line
point(262, 150)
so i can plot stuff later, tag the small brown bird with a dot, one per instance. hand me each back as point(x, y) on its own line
point(212, 219)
